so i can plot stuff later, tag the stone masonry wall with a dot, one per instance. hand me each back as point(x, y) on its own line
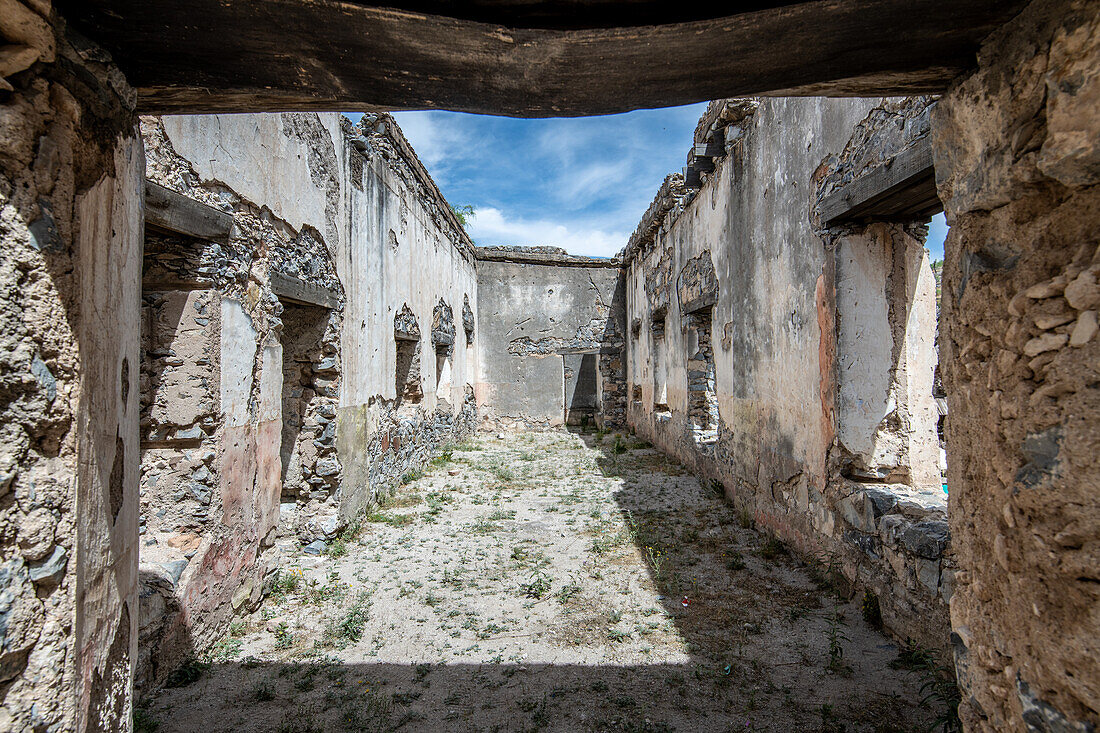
point(70, 223)
point(1018, 170)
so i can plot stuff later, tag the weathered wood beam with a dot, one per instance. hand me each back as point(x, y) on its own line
point(903, 187)
point(299, 291)
point(166, 209)
point(526, 59)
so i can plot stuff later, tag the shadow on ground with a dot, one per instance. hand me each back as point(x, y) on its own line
point(760, 641)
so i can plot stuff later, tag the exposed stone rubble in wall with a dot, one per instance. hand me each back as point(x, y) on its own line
point(203, 561)
point(1017, 151)
point(379, 438)
point(70, 222)
point(467, 319)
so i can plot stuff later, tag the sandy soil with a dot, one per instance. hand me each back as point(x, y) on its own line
point(557, 582)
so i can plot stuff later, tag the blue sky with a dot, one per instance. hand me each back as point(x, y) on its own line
point(580, 183)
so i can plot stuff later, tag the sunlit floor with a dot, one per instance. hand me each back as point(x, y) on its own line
point(549, 581)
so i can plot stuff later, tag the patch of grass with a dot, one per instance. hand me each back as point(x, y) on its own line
point(339, 545)
point(772, 548)
point(286, 581)
point(539, 585)
point(263, 692)
point(443, 458)
point(143, 721)
point(304, 719)
point(188, 672)
point(619, 446)
point(394, 520)
point(411, 475)
point(349, 628)
point(744, 518)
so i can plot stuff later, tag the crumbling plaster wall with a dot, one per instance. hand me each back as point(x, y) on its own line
point(773, 310)
point(1018, 170)
point(71, 169)
point(404, 249)
point(545, 304)
point(212, 386)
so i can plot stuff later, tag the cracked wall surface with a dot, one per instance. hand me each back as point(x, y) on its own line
point(545, 308)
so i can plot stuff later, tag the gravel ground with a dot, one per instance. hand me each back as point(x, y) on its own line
point(550, 581)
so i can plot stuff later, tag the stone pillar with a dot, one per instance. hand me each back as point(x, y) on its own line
point(71, 198)
point(1017, 154)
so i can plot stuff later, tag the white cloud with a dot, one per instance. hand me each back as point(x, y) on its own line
point(434, 140)
point(490, 226)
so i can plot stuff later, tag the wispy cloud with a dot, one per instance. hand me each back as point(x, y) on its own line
point(489, 226)
point(581, 184)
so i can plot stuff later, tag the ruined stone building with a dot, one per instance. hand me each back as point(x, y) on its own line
point(225, 331)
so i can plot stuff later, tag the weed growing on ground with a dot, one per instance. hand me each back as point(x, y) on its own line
point(304, 719)
point(339, 546)
point(394, 520)
point(190, 671)
point(938, 689)
point(143, 721)
point(539, 585)
point(263, 692)
point(286, 582)
point(349, 628)
point(619, 446)
point(284, 638)
point(772, 548)
point(736, 561)
point(836, 637)
point(744, 518)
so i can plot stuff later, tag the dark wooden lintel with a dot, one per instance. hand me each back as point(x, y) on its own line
point(299, 291)
point(902, 188)
point(167, 209)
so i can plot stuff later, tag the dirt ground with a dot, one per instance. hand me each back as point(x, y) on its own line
point(554, 582)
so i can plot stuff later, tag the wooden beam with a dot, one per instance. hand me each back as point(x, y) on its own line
point(904, 187)
point(300, 291)
point(526, 59)
point(166, 209)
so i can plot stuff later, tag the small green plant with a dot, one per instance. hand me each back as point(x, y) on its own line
point(656, 559)
point(567, 592)
point(339, 545)
point(619, 446)
point(836, 635)
point(411, 475)
point(870, 609)
point(717, 488)
point(263, 692)
point(349, 628)
point(772, 548)
point(538, 586)
point(938, 688)
point(736, 561)
point(286, 581)
point(744, 518)
point(284, 638)
point(190, 671)
point(144, 722)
